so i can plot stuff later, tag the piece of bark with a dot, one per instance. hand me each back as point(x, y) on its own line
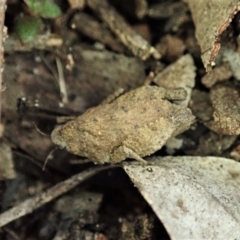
point(226, 104)
point(133, 41)
point(218, 111)
point(211, 18)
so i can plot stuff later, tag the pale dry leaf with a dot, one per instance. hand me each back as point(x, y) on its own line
point(211, 18)
point(194, 197)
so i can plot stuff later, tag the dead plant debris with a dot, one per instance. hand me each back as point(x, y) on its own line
point(87, 84)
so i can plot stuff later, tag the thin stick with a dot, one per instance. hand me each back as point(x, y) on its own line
point(41, 42)
point(49, 156)
point(59, 77)
point(61, 82)
point(38, 130)
point(31, 204)
point(50, 68)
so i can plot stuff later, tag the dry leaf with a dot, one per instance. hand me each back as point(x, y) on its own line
point(211, 18)
point(194, 197)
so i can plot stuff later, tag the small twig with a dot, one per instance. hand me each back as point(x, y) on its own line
point(61, 81)
point(39, 131)
point(132, 40)
point(31, 204)
point(41, 42)
point(49, 156)
point(49, 66)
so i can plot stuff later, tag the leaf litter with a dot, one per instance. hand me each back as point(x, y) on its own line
point(191, 195)
point(71, 72)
